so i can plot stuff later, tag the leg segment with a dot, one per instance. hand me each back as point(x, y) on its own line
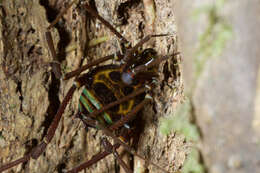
point(106, 23)
point(144, 67)
point(130, 74)
point(14, 163)
point(108, 132)
point(121, 122)
point(55, 64)
point(109, 148)
point(116, 125)
point(110, 105)
point(126, 57)
point(91, 64)
point(39, 149)
point(60, 15)
point(126, 61)
point(92, 161)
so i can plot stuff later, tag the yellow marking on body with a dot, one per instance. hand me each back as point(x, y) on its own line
point(106, 72)
point(129, 108)
point(97, 78)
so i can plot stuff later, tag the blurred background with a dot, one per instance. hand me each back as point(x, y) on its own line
point(219, 42)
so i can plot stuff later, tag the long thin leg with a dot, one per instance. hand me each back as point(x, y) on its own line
point(153, 63)
point(106, 23)
point(91, 64)
point(55, 64)
point(109, 148)
point(60, 15)
point(110, 105)
point(138, 69)
point(92, 161)
point(37, 151)
point(130, 74)
point(129, 53)
point(119, 123)
point(108, 132)
point(14, 163)
point(126, 61)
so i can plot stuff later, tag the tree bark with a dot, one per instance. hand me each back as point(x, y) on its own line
point(30, 93)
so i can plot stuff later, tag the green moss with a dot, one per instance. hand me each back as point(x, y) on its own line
point(181, 123)
point(192, 164)
point(214, 38)
point(212, 42)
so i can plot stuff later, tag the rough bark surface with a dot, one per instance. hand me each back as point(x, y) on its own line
point(30, 94)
